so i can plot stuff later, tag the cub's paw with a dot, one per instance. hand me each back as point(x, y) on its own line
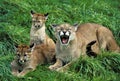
point(20, 75)
point(15, 73)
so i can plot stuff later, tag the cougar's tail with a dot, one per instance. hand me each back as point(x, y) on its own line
point(89, 51)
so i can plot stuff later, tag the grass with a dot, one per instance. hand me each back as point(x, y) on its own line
point(15, 24)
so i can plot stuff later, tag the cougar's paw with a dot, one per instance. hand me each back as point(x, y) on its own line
point(62, 69)
point(52, 67)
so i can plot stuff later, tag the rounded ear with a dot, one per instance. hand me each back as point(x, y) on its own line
point(16, 45)
point(76, 25)
point(46, 15)
point(32, 12)
point(32, 47)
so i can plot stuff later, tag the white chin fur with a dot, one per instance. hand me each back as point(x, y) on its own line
point(64, 44)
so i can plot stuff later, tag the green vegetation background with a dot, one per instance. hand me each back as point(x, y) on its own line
point(15, 24)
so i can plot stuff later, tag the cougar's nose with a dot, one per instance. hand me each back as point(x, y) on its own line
point(64, 32)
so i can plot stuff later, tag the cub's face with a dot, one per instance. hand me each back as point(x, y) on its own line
point(65, 33)
point(23, 53)
point(38, 20)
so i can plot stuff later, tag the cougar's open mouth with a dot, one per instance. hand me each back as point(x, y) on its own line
point(64, 37)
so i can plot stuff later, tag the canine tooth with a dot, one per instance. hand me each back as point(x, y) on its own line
point(61, 33)
point(67, 33)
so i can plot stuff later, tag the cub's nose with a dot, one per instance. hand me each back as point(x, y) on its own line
point(21, 61)
point(38, 26)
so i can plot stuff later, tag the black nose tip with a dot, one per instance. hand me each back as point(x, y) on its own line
point(64, 32)
point(38, 26)
point(21, 61)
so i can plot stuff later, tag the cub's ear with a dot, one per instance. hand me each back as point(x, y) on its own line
point(32, 12)
point(54, 26)
point(46, 15)
point(16, 45)
point(32, 47)
point(76, 25)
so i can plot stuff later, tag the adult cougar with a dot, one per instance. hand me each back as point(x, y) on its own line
point(72, 42)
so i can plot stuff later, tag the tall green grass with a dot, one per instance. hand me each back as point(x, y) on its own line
point(15, 24)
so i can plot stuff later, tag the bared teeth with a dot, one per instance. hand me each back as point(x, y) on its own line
point(64, 39)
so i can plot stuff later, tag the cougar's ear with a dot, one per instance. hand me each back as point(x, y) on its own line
point(46, 15)
point(76, 26)
point(54, 26)
point(32, 12)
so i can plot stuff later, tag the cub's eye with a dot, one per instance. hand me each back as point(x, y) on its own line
point(38, 21)
point(34, 21)
point(25, 55)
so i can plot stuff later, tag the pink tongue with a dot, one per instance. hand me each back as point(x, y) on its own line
point(64, 41)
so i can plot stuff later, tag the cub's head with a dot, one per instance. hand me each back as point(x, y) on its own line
point(38, 20)
point(65, 33)
point(23, 53)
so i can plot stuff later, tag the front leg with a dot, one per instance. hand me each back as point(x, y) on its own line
point(15, 72)
point(25, 71)
point(57, 65)
point(15, 68)
point(65, 67)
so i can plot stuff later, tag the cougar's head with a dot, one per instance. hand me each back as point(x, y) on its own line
point(65, 33)
point(23, 53)
point(38, 20)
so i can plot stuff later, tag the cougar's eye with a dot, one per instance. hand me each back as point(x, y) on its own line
point(69, 29)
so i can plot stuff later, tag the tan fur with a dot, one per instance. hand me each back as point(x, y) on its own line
point(27, 58)
point(37, 33)
point(80, 38)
